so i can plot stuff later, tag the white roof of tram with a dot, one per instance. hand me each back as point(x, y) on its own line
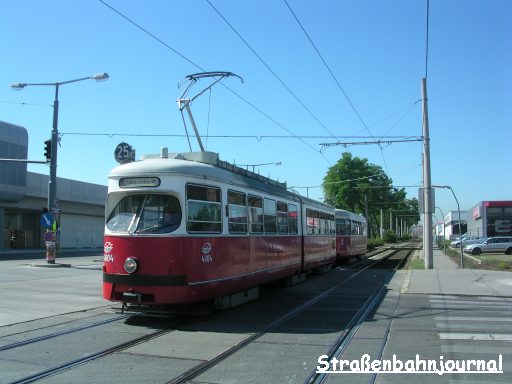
point(207, 166)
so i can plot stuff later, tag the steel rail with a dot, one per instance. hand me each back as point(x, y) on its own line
point(208, 364)
point(346, 337)
point(194, 372)
point(60, 333)
point(82, 360)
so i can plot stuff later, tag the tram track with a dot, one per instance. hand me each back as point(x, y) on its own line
point(59, 333)
point(94, 355)
point(344, 340)
point(74, 363)
point(341, 342)
point(207, 364)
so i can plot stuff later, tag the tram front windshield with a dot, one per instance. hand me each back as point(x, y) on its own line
point(143, 214)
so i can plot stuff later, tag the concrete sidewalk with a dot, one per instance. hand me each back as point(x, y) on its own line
point(446, 278)
point(39, 254)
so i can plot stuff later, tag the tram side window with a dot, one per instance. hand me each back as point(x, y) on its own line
point(343, 227)
point(282, 218)
point(270, 215)
point(357, 228)
point(332, 225)
point(361, 228)
point(237, 212)
point(310, 222)
point(316, 216)
point(203, 209)
point(323, 224)
point(339, 226)
point(255, 214)
point(292, 219)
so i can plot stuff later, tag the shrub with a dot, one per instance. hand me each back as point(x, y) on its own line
point(374, 243)
point(389, 237)
point(404, 237)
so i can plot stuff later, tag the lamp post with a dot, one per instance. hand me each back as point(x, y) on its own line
point(436, 225)
point(444, 230)
point(52, 184)
point(460, 228)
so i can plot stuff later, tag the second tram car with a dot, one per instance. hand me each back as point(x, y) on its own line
point(351, 234)
point(182, 228)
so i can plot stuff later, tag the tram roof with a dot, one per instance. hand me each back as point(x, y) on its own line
point(342, 213)
point(207, 166)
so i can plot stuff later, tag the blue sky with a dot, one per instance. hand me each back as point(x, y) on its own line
point(375, 49)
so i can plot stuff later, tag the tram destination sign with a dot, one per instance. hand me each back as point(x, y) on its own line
point(136, 182)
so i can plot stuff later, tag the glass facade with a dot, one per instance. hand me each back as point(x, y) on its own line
point(21, 229)
point(499, 221)
point(490, 218)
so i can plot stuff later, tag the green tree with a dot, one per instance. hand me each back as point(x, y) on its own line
point(358, 186)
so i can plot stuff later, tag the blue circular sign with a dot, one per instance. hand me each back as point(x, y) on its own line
point(123, 153)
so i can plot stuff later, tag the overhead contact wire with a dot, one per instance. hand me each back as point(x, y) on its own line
point(270, 69)
point(334, 77)
point(202, 69)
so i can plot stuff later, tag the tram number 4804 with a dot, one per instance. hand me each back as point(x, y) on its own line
point(207, 259)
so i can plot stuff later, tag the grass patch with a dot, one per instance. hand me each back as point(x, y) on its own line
point(489, 261)
point(416, 264)
point(497, 262)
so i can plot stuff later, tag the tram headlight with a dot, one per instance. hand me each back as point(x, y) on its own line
point(130, 265)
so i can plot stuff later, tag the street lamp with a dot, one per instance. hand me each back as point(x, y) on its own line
point(52, 184)
point(436, 227)
point(460, 228)
point(444, 230)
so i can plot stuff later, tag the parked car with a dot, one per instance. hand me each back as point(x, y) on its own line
point(466, 240)
point(463, 237)
point(492, 244)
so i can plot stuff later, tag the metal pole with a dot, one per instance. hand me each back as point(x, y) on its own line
point(194, 126)
point(52, 183)
point(444, 230)
point(460, 229)
point(366, 215)
point(23, 161)
point(381, 223)
point(427, 188)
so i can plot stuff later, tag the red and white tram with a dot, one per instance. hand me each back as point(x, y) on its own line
point(351, 234)
point(182, 228)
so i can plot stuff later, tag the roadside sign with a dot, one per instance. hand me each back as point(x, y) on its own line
point(47, 220)
point(123, 153)
point(49, 236)
point(421, 200)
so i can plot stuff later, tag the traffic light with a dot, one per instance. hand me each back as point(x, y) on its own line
point(48, 150)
